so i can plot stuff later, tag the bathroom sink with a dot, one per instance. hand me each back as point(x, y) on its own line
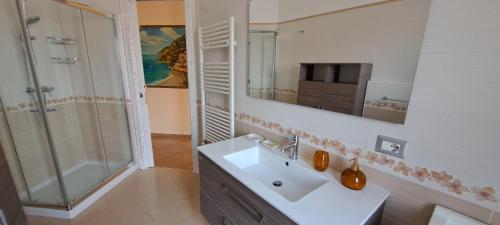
point(278, 173)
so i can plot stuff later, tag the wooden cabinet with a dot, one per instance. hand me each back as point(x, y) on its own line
point(225, 201)
point(339, 87)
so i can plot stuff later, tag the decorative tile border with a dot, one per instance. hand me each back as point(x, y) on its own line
point(442, 178)
point(388, 105)
point(57, 101)
point(276, 90)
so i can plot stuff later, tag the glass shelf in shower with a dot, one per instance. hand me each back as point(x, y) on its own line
point(64, 60)
point(61, 40)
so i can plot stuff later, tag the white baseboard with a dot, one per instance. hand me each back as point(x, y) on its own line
point(64, 214)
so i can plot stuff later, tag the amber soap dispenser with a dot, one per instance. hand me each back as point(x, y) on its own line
point(353, 177)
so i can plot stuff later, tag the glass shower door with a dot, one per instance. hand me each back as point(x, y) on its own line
point(65, 78)
point(63, 115)
point(22, 131)
point(261, 61)
point(109, 89)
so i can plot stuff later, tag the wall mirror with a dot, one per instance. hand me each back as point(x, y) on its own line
point(357, 57)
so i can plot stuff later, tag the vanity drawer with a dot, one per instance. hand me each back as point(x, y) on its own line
point(242, 205)
point(212, 211)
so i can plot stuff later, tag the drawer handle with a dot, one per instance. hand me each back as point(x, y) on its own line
point(244, 204)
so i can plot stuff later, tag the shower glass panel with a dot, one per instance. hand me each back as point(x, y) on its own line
point(109, 89)
point(63, 69)
point(22, 132)
point(80, 86)
point(261, 62)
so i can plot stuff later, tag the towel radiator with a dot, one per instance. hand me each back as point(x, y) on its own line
point(217, 80)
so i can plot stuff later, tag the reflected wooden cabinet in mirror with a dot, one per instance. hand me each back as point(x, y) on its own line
point(334, 87)
point(352, 57)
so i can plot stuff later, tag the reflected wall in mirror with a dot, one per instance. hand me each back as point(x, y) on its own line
point(353, 57)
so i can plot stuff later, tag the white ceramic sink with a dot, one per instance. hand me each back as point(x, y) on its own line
point(444, 216)
point(270, 168)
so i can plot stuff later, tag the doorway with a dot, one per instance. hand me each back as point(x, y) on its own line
point(163, 46)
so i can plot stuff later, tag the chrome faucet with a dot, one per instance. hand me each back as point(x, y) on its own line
point(293, 147)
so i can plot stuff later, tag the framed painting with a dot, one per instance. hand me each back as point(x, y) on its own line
point(164, 56)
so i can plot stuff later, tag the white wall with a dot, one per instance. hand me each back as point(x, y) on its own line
point(295, 9)
point(388, 35)
point(168, 107)
point(452, 123)
point(168, 110)
point(161, 12)
point(264, 11)
point(278, 11)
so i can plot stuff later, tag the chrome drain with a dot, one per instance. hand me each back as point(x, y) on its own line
point(277, 183)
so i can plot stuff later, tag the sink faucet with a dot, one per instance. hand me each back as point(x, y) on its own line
point(293, 147)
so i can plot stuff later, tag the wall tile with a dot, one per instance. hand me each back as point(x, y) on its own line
point(20, 122)
point(64, 130)
point(408, 204)
point(109, 127)
point(26, 142)
point(67, 146)
point(412, 204)
point(62, 114)
point(86, 110)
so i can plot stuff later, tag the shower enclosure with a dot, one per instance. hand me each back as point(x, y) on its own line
point(63, 112)
point(261, 63)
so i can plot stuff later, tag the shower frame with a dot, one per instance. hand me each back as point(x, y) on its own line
point(38, 92)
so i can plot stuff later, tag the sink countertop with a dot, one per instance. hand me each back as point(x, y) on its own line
point(330, 204)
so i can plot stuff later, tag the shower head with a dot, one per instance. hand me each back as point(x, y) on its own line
point(32, 20)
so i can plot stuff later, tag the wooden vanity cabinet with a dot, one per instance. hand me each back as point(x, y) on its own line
point(225, 201)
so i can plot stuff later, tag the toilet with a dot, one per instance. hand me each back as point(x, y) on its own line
point(444, 216)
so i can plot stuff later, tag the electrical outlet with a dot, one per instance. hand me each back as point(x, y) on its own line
point(390, 146)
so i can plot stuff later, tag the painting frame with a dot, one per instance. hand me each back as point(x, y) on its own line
point(164, 56)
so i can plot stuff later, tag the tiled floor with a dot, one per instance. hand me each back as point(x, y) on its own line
point(172, 151)
point(158, 196)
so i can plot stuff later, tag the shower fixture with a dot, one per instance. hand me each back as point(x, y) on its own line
point(32, 20)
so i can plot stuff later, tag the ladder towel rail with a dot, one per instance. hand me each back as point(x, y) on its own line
point(217, 79)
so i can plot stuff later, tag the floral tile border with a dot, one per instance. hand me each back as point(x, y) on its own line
point(388, 105)
point(277, 90)
point(442, 178)
point(56, 101)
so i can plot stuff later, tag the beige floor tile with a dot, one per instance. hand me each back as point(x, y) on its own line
point(197, 220)
point(36, 220)
point(158, 196)
point(175, 212)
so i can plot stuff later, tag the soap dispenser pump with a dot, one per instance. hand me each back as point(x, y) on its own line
point(353, 177)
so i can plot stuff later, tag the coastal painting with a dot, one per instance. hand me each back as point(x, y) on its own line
point(164, 56)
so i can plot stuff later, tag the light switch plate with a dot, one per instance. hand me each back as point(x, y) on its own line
point(391, 146)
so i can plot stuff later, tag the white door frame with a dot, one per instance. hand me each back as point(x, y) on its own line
point(128, 29)
point(194, 107)
point(134, 83)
